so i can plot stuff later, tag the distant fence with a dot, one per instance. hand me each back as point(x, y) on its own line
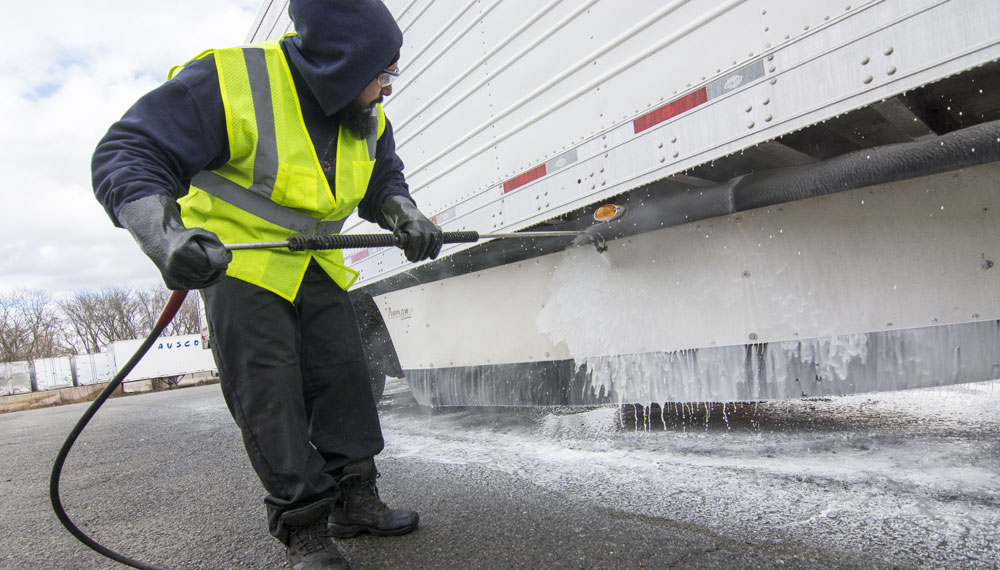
point(170, 357)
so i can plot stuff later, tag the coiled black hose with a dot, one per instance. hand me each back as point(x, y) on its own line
point(173, 304)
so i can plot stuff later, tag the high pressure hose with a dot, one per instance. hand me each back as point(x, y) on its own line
point(173, 304)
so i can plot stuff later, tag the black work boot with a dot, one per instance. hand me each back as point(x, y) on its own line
point(360, 509)
point(309, 546)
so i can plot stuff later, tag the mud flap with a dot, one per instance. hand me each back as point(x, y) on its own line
point(380, 353)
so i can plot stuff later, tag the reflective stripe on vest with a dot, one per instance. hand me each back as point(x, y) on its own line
point(265, 168)
point(231, 192)
point(273, 186)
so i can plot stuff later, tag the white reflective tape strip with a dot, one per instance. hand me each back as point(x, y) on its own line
point(733, 81)
point(562, 161)
point(445, 216)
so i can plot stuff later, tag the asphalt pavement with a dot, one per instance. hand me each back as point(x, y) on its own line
point(163, 478)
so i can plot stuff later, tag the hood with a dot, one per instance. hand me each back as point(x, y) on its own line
point(341, 46)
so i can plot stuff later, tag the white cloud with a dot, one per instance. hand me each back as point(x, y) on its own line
point(70, 69)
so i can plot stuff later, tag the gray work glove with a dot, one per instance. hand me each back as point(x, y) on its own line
point(418, 237)
point(187, 258)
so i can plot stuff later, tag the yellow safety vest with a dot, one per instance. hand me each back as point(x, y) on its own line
point(273, 186)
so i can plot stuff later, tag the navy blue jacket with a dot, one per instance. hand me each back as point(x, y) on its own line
point(179, 129)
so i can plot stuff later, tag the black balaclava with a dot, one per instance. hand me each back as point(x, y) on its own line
point(341, 46)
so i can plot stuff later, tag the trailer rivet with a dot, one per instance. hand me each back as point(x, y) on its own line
point(866, 60)
point(889, 50)
point(766, 101)
point(676, 154)
point(771, 69)
point(751, 125)
point(768, 118)
point(891, 70)
point(868, 79)
point(749, 108)
point(753, 336)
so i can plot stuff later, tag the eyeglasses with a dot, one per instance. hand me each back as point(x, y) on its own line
point(386, 78)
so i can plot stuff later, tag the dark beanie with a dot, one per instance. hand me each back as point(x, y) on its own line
point(341, 46)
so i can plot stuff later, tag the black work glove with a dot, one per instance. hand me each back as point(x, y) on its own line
point(187, 258)
point(417, 236)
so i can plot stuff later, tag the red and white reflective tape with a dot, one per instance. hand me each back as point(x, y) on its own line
point(524, 178)
point(361, 254)
point(730, 82)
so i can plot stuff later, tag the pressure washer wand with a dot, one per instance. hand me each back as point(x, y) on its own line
point(355, 241)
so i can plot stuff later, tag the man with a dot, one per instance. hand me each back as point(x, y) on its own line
point(257, 144)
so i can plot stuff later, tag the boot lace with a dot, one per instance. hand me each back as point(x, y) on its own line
point(309, 539)
point(364, 493)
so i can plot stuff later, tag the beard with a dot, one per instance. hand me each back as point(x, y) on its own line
point(357, 118)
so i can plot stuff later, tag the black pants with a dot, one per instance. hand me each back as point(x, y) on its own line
point(295, 380)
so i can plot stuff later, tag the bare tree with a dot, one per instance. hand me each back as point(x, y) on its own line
point(14, 339)
point(186, 321)
point(99, 318)
point(30, 327)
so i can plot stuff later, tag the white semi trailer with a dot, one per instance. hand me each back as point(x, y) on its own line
point(810, 192)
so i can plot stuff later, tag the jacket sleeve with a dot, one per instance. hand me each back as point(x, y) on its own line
point(387, 179)
point(163, 140)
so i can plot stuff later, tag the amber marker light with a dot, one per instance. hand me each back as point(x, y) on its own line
point(609, 212)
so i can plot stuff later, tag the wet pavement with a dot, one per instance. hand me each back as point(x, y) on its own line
point(890, 480)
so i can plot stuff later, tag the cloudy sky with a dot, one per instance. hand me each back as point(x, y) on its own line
point(68, 71)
